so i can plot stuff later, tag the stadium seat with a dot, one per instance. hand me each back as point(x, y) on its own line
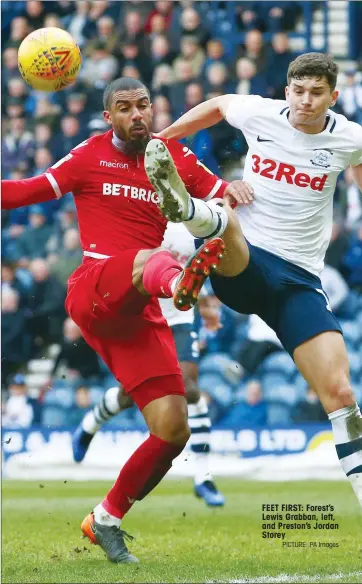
point(285, 394)
point(300, 386)
point(217, 388)
point(273, 379)
point(355, 364)
point(221, 364)
point(54, 416)
point(351, 332)
point(279, 362)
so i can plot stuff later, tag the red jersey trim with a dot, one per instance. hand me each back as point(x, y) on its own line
point(98, 256)
point(54, 184)
point(214, 190)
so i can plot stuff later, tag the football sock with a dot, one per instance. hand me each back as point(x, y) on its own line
point(104, 518)
point(142, 472)
point(347, 430)
point(200, 426)
point(206, 219)
point(105, 410)
point(160, 274)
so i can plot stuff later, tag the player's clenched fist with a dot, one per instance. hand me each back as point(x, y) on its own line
point(239, 192)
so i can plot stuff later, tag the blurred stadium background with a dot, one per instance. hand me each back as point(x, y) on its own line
point(185, 52)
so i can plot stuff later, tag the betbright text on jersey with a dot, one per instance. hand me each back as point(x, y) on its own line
point(116, 205)
point(294, 177)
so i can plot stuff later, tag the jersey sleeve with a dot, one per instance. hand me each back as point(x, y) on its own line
point(242, 107)
point(66, 174)
point(200, 182)
point(356, 158)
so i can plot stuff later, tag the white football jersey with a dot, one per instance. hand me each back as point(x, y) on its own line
point(179, 241)
point(293, 176)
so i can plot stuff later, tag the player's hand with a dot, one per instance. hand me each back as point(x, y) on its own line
point(239, 192)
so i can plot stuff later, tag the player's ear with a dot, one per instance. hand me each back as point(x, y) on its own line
point(107, 117)
point(335, 94)
point(286, 92)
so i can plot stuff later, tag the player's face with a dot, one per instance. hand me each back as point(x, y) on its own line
point(130, 116)
point(309, 99)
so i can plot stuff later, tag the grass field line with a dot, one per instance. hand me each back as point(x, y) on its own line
point(289, 578)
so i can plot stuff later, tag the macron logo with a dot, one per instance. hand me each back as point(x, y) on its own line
point(113, 164)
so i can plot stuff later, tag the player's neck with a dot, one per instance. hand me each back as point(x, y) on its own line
point(316, 128)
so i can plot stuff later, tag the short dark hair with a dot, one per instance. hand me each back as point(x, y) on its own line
point(122, 84)
point(314, 65)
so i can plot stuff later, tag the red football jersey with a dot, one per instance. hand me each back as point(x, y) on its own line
point(116, 204)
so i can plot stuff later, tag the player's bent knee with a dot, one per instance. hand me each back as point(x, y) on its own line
point(337, 394)
point(179, 434)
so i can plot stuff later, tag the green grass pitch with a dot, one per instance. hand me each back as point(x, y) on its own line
point(178, 539)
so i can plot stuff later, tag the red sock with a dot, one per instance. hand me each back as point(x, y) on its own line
point(159, 271)
point(141, 473)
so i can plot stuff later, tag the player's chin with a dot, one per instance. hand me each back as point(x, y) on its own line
point(139, 142)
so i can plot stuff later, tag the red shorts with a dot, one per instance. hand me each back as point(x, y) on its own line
point(124, 327)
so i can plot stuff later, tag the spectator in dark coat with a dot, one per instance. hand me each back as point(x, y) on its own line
point(279, 58)
point(79, 358)
point(15, 341)
point(17, 147)
point(32, 243)
point(255, 49)
point(46, 305)
point(190, 24)
point(338, 246)
point(309, 409)
point(352, 261)
point(9, 279)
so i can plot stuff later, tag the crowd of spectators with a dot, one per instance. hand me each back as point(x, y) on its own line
point(186, 52)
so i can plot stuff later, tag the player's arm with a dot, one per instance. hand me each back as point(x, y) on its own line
point(357, 175)
point(201, 183)
point(19, 193)
point(202, 116)
point(59, 179)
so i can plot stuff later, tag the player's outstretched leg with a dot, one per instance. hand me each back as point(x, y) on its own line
point(116, 400)
point(201, 219)
point(163, 405)
point(113, 402)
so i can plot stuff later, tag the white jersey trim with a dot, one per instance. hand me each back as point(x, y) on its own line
point(54, 184)
point(97, 256)
point(214, 190)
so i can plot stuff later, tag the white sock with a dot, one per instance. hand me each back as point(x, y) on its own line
point(207, 219)
point(347, 431)
point(107, 408)
point(104, 518)
point(200, 426)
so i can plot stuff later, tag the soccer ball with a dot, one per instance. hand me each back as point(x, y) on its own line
point(49, 59)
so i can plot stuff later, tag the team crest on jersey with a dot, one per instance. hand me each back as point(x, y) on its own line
point(322, 158)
